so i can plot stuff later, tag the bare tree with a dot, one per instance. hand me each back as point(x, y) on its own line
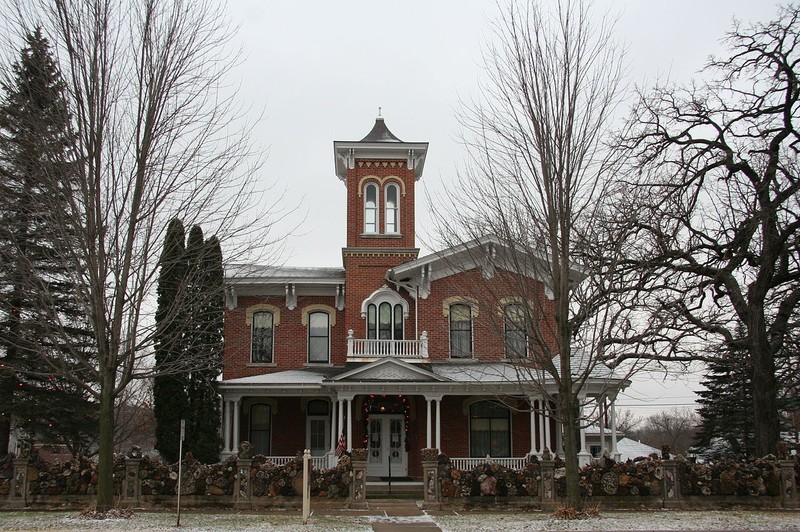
point(536, 182)
point(675, 428)
point(712, 211)
point(158, 137)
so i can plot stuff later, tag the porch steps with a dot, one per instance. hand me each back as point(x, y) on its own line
point(399, 490)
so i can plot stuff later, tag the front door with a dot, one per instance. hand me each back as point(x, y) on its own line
point(387, 446)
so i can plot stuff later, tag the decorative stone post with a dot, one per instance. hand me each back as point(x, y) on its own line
point(430, 469)
point(672, 487)
point(131, 483)
point(789, 495)
point(358, 488)
point(548, 489)
point(242, 487)
point(18, 485)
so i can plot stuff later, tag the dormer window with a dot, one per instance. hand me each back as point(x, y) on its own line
point(371, 208)
point(392, 209)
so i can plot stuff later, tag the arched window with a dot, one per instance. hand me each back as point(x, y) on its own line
point(392, 202)
point(262, 337)
point(516, 337)
point(318, 425)
point(371, 208)
point(460, 330)
point(261, 428)
point(385, 321)
point(318, 337)
point(489, 430)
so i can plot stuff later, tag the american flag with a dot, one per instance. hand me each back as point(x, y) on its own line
point(342, 446)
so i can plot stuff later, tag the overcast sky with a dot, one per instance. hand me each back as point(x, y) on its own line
point(321, 69)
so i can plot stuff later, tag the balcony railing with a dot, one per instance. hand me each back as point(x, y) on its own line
point(363, 348)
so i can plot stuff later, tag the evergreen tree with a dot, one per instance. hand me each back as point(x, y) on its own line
point(189, 347)
point(726, 407)
point(170, 401)
point(39, 383)
point(205, 345)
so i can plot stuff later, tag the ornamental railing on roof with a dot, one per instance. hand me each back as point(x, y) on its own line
point(373, 348)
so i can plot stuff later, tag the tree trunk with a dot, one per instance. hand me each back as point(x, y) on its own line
point(105, 454)
point(765, 404)
point(571, 420)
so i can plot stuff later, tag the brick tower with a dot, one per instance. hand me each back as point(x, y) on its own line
point(380, 172)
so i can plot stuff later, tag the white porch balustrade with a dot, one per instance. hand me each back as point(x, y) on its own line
point(364, 348)
point(317, 462)
point(465, 464)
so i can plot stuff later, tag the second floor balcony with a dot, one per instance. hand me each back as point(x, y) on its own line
point(375, 348)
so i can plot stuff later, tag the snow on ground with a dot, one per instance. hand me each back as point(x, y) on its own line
point(447, 521)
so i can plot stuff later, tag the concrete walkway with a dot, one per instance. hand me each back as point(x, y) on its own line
point(398, 514)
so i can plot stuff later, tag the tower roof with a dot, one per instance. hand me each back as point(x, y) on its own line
point(380, 133)
point(380, 143)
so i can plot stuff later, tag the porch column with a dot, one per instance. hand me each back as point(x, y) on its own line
point(226, 416)
point(349, 424)
point(439, 423)
point(428, 441)
point(613, 418)
point(601, 409)
point(340, 417)
point(334, 434)
point(546, 416)
point(237, 406)
point(532, 401)
point(583, 456)
point(542, 441)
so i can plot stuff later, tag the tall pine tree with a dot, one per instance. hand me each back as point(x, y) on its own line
point(40, 372)
point(726, 407)
point(189, 321)
point(170, 401)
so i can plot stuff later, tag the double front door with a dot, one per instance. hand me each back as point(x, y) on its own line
point(387, 448)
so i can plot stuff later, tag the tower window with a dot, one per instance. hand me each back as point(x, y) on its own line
point(371, 208)
point(392, 208)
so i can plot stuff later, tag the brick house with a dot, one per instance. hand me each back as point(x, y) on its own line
point(392, 352)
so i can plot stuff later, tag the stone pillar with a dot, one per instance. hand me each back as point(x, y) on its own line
point(430, 480)
point(358, 488)
point(18, 485)
point(789, 495)
point(131, 483)
point(671, 492)
point(547, 490)
point(242, 487)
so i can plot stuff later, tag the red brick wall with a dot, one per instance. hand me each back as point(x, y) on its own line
point(355, 203)
point(290, 347)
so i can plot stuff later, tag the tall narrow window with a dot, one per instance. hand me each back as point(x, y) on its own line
point(262, 337)
point(392, 208)
point(489, 430)
point(372, 322)
point(460, 331)
point(516, 338)
point(318, 337)
point(261, 428)
point(371, 208)
point(385, 321)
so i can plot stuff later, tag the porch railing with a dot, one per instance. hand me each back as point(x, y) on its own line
point(363, 348)
point(317, 462)
point(465, 464)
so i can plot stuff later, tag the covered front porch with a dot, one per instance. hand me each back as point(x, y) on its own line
point(395, 409)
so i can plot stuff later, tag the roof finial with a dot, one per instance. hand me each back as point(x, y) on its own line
point(379, 112)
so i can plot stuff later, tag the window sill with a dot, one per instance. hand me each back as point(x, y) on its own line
point(317, 365)
point(381, 235)
point(262, 365)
